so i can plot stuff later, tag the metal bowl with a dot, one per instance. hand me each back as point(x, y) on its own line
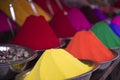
point(106, 64)
point(14, 59)
point(85, 76)
point(116, 50)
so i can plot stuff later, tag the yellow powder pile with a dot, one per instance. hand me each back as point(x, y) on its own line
point(57, 64)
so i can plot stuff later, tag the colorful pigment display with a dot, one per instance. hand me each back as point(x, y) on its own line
point(8, 28)
point(116, 20)
point(115, 29)
point(62, 26)
point(22, 10)
point(36, 34)
point(6, 23)
point(85, 45)
point(57, 64)
point(78, 19)
point(105, 34)
point(101, 16)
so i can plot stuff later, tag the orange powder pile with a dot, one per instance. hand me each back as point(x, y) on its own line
point(85, 45)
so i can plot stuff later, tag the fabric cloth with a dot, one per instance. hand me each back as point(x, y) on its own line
point(85, 45)
point(57, 64)
point(90, 15)
point(78, 19)
point(62, 26)
point(105, 34)
point(22, 10)
point(36, 34)
point(115, 29)
point(116, 20)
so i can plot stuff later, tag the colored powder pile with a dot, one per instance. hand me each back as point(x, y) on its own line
point(116, 20)
point(57, 64)
point(8, 28)
point(115, 29)
point(85, 45)
point(62, 26)
point(52, 3)
point(90, 15)
point(105, 34)
point(4, 23)
point(101, 16)
point(36, 34)
point(78, 19)
point(22, 10)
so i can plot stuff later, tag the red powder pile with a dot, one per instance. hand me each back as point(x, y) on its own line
point(85, 45)
point(36, 34)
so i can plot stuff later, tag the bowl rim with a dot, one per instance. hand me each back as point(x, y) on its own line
point(22, 74)
point(95, 67)
point(95, 64)
point(116, 56)
point(25, 60)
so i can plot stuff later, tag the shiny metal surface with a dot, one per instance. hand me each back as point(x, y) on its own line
point(106, 64)
point(8, 66)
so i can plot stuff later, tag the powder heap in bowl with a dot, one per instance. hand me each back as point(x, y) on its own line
point(57, 64)
point(85, 45)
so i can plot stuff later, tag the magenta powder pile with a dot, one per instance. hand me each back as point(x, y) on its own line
point(62, 26)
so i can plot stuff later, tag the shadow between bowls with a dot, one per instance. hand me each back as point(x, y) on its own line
point(66, 41)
